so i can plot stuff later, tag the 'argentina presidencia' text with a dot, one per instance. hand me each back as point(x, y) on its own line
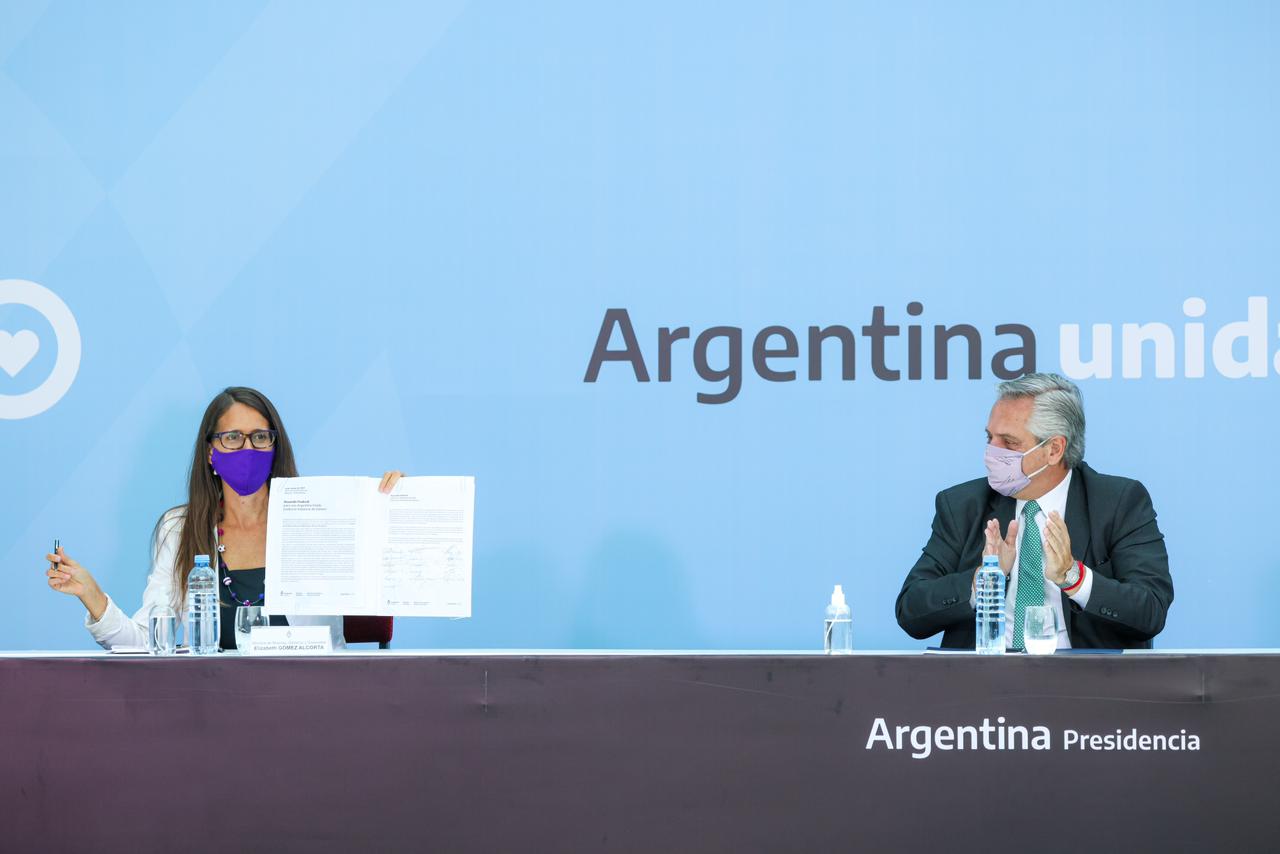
point(923, 740)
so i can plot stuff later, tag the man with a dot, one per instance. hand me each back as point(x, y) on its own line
point(1085, 543)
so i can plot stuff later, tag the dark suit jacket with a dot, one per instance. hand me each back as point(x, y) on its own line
point(1113, 531)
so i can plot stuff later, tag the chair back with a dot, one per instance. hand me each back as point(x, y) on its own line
point(368, 630)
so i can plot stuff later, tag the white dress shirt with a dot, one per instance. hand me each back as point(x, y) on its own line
point(115, 628)
point(1054, 499)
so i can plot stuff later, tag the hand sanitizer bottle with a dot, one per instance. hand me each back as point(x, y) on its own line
point(837, 629)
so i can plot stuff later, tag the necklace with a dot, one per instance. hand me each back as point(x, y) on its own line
point(226, 575)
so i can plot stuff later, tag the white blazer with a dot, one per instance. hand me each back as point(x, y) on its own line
point(116, 629)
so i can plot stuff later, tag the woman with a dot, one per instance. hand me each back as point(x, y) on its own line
point(241, 445)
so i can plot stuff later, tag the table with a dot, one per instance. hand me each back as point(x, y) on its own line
point(553, 751)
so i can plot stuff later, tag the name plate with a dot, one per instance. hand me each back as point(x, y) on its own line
point(290, 640)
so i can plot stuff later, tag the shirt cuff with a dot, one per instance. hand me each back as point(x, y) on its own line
point(1081, 596)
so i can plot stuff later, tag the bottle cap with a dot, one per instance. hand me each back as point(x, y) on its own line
point(990, 560)
point(837, 597)
point(202, 560)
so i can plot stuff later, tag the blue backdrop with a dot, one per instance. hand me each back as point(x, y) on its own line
point(405, 222)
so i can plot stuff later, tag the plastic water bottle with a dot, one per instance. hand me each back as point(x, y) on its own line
point(989, 606)
point(837, 629)
point(202, 608)
point(162, 634)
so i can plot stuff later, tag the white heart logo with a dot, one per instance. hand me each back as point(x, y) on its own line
point(17, 351)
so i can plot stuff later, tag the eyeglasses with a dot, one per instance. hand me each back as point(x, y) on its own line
point(233, 440)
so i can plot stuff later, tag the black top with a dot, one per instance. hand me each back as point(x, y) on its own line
point(245, 584)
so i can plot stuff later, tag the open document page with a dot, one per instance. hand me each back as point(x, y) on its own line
point(424, 567)
point(335, 545)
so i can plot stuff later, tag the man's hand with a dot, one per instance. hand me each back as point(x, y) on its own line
point(1006, 547)
point(1057, 549)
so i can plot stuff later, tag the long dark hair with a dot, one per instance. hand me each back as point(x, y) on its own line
point(202, 511)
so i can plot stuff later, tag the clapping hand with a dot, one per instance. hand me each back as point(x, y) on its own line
point(1005, 547)
point(1057, 549)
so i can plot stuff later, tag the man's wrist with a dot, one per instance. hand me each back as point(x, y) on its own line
point(1079, 579)
point(1059, 578)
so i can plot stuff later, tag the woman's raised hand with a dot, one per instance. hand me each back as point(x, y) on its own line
point(389, 481)
point(68, 576)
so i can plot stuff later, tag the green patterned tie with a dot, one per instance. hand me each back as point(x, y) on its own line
point(1030, 572)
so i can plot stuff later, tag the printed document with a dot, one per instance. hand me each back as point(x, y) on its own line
point(336, 545)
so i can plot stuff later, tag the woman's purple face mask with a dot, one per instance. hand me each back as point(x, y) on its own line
point(245, 470)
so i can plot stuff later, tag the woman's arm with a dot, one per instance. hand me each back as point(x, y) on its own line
point(103, 618)
point(106, 622)
point(66, 575)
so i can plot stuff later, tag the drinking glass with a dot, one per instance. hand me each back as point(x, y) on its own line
point(248, 616)
point(162, 630)
point(1040, 629)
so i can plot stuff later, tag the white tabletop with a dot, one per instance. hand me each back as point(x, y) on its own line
point(632, 653)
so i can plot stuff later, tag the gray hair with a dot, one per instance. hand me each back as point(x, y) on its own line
point(1058, 410)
